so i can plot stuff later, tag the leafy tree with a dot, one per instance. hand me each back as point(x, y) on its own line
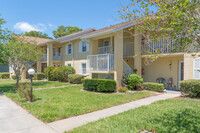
point(177, 19)
point(4, 35)
point(37, 34)
point(21, 53)
point(65, 30)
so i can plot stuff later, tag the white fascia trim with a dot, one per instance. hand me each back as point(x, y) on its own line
point(126, 26)
point(98, 34)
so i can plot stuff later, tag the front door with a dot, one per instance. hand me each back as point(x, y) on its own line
point(181, 72)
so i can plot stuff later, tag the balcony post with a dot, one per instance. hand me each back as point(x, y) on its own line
point(118, 57)
point(137, 51)
point(49, 54)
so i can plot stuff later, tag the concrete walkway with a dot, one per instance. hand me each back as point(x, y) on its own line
point(77, 121)
point(14, 119)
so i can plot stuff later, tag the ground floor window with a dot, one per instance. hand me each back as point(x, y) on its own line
point(69, 64)
point(83, 68)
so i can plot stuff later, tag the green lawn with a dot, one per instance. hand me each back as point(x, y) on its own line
point(169, 116)
point(59, 103)
point(10, 86)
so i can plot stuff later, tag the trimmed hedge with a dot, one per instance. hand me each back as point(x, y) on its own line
point(99, 85)
point(5, 75)
point(190, 87)
point(38, 76)
point(153, 86)
point(75, 78)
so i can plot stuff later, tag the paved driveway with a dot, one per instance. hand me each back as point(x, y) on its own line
point(14, 119)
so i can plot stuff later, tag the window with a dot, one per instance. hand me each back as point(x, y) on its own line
point(82, 68)
point(196, 73)
point(106, 43)
point(59, 51)
point(54, 51)
point(69, 49)
point(69, 64)
point(83, 47)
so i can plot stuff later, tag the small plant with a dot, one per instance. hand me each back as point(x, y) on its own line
point(123, 89)
point(24, 91)
point(153, 86)
point(139, 87)
point(75, 78)
point(133, 81)
point(124, 82)
point(135, 70)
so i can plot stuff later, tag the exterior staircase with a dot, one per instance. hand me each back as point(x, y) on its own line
point(127, 70)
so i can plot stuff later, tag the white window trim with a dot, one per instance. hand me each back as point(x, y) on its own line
point(55, 52)
point(80, 68)
point(81, 47)
point(70, 64)
point(195, 68)
point(66, 49)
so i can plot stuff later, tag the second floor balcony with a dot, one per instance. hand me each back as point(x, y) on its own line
point(105, 50)
point(100, 62)
point(161, 46)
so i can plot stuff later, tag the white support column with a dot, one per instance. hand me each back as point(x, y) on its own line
point(49, 54)
point(118, 57)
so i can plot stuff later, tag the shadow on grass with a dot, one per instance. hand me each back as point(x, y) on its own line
point(185, 120)
point(7, 87)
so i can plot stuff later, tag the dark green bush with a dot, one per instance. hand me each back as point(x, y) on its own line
point(133, 81)
point(38, 76)
point(190, 87)
point(99, 85)
point(153, 86)
point(58, 73)
point(75, 78)
point(5, 75)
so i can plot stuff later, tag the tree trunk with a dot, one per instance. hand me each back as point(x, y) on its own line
point(17, 77)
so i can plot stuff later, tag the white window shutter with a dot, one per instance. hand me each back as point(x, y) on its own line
point(80, 47)
point(196, 69)
point(80, 68)
point(72, 48)
point(88, 47)
point(66, 49)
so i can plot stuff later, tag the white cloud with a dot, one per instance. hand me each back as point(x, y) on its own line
point(26, 27)
point(51, 25)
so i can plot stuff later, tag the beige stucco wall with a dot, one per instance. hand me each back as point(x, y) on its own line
point(161, 68)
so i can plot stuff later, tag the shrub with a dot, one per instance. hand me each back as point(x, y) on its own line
point(99, 85)
point(122, 89)
point(153, 86)
point(190, 87)
point(14, 77)
point(5, 75)
point(58, 73)
point(133, 81)
point(75, 78)
point(24, 91)
point(38, 76)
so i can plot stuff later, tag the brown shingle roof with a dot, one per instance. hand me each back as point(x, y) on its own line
point(35, 39)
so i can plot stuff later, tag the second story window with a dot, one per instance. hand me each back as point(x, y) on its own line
point(83, 47)
point(54, 51)
point(69, 48)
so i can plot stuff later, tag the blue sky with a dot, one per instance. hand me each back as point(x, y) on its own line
point(46, 15)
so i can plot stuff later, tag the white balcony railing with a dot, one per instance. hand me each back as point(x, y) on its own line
point(164, 45)
point(128, 49)
point(100, 62)
point(127, 70)
point(44, 58)
point(105, 50)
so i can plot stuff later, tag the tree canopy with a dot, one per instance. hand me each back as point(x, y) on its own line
point(37, 34)
point(65, 30)
point(177, 19)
